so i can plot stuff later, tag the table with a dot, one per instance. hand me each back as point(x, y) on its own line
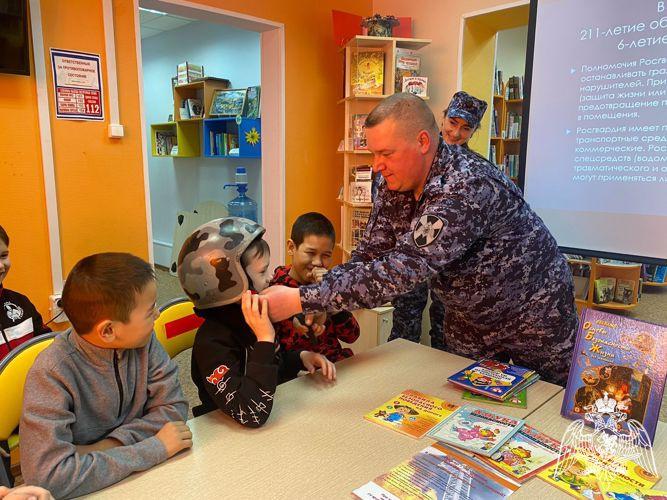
point(549, 420)
point(316, 443)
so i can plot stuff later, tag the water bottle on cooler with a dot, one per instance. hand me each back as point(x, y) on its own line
point(242, 205)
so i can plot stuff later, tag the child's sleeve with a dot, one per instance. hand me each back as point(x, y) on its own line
point(166, 402)
point(345, 327)
point(48, 454)
point(286, 334)
point(246, 397)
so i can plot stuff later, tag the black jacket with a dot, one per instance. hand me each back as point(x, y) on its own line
point(19, 320)
point(233, 371)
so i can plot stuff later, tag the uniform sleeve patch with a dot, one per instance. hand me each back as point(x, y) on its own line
point(427, 230)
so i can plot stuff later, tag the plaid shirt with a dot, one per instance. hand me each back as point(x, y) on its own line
point(340, 326)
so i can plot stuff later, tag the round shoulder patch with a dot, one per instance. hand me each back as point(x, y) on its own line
point(427, 230)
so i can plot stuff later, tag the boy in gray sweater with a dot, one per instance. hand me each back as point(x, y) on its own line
point(103, 400)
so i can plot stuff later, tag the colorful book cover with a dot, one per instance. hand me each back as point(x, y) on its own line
point(624, 291)
point(517, 400)
point(622, 357)
point(525, 454)
point(359, 132)
point(367, 72)
point(659, 275)
point(411, 413)
point(581, 480)
point(492, 378)
point(478, 430)
point(436, 473)
point(604, 290)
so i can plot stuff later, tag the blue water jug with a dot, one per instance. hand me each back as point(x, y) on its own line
point(242, 205)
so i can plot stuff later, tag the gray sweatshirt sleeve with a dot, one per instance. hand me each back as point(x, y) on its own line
point(166, 402)
point(48, 455)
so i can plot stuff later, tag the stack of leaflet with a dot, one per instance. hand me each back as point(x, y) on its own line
point(499, 381)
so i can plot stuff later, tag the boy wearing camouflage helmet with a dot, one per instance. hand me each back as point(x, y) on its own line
point(236, 362)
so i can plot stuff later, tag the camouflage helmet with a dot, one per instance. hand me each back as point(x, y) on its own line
point(209, 263)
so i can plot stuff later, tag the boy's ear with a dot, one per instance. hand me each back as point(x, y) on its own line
point(104, 331)
point(291, 247)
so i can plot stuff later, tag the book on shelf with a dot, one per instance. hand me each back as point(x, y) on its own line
point(581, 284)
point(525, 454)
point(411, 412)
point(367, 72)
point(476, 429)
point(512, 126)
point(359, 132)
point(604, 290)
point(252, 102)
point(223, 143)
point(659, 274)
point(408, 63)
point(514, 88)
point(358, 222)
point(195, 108)
point(494, 379)
point(360, 192)
point(184, 110)
point(492, 154)
point(362, 173)
point(517, 400)
point(498, 82)
point(619, 360)
point(187, 72)
point(439, 472)
point(510, 166)
point(417, 85)
point(165, 141)
point(582, 479)
point(625, 290)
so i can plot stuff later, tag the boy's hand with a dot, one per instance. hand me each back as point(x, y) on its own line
point(175, 436)
point(312, 361)
point(25, 493)
point(300, 328)
point(318, 273)
point(300, 322)
point(256, 313)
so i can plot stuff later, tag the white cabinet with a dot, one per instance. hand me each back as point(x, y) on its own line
point(375, 325)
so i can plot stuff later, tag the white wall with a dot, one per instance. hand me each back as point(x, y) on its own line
point(181, 183)
point(511, 51)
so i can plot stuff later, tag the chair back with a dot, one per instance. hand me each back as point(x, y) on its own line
point(13, 372)
point(177, 325)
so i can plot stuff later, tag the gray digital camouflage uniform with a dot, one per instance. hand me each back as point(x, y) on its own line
point(506, 288)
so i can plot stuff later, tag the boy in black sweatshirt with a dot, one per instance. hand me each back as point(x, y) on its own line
point(236, 361)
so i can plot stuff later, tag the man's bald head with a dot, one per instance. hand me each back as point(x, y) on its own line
point(409, 111)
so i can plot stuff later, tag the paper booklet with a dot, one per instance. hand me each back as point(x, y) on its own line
point(478, 430)
point(411, 413)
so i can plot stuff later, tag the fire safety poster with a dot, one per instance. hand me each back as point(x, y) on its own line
point(78, 85)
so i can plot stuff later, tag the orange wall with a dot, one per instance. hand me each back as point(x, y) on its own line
point(100, 181)
point(439, 20)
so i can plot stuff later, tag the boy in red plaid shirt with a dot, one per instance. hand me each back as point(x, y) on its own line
point(311, 247)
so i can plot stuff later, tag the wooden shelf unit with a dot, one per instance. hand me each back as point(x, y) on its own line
point(360, 105)
point(600, 270)
point(202, 90)
point(187, 138)
point(502, 144)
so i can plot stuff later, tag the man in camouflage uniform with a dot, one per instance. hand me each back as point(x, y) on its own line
point(447, 214)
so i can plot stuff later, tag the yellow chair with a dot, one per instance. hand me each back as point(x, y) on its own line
point(13, 371)
point(177, 325)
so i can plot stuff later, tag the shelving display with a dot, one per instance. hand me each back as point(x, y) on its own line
point(506, 121)
point(370, 75)
point(605, 285)
point(222, 137)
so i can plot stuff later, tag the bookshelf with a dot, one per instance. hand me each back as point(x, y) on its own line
point(506, 142)
point(206, 133)
point(594, 269)
point(354, 215)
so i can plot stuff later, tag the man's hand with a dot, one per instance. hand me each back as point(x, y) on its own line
point(312, 361)
point(103, 445)
point(175, 436)
point(24, 493)
point(256, 313)
point(284, 302)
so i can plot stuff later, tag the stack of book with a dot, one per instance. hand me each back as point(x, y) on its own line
point(512, 126)
point(510, 166)
point(360, 188)
point(223, 143)
point(495, 380)
point(514, 89)
point(165, 141)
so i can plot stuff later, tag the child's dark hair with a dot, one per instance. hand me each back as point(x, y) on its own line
point(312, 223)
point(4, 237)
point(104, 286)
point(257, 249)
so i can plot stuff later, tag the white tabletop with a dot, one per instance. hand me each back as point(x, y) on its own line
point(316, 443)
